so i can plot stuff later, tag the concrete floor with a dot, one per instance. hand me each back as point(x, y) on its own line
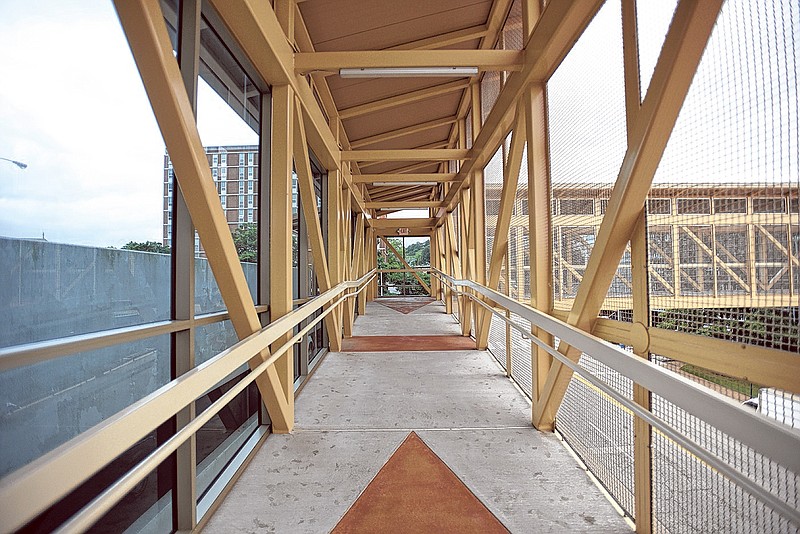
point(359, 407)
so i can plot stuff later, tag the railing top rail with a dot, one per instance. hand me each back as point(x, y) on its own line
point(32, 488)
point(774, 440)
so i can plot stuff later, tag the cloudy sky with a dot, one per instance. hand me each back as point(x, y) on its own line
point(72, 106)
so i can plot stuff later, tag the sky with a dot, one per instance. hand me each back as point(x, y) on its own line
point(73, 108)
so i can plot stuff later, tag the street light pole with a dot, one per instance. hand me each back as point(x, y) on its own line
point(17, 163)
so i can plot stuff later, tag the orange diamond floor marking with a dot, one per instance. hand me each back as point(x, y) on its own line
point(403, 343)
point(416, 492)
point(404, 304)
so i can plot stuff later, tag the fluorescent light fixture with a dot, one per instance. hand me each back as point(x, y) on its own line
point(408, 72)
point(394, 184)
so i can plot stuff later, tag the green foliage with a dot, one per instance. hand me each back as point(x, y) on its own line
point(245, 237)
point(147, 246)
point(775, 328)
point(416, 254)
point(735, 384)
point(419, 253)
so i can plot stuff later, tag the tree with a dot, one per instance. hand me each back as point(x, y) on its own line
point(147, 246)
point(419, 253)
point(245, 237)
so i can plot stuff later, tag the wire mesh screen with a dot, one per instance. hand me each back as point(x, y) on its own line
point(587, 143)
point(512, 29)
point(723, 220)
point(600, 430)
point(723, 254)
point(689, 496)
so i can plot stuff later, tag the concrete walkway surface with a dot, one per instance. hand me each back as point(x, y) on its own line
point(358, 408)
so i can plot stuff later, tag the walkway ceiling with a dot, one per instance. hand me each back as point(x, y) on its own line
point(398, 113)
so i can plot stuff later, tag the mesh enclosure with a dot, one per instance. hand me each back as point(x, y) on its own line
point(723, 220)
point(600, 431)
point(587, 143)
point(689, 496)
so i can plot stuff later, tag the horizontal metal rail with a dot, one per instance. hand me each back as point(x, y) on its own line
point(38, 485)
point(41, 351)
point(770, 438)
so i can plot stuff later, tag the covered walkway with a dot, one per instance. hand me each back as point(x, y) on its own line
point(359, 407)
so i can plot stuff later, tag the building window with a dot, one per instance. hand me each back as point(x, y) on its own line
point(249, 201)
point(250, 187)
point(215, 173)
point(694, 206)
point(659, 206)
point(524, 206)
point(249, 173)
point(241, 215)
point(769, 205)
point(241, 201)
point(250, 156)
point(241, 173)
point(214, 160)
point(224, 172)
point(223, 188)
point(241, 160)
point(250, 215)
point(581, 206)
point(224, 201)
point(730, 205)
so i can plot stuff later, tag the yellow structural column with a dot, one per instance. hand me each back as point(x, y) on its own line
point(280, 216)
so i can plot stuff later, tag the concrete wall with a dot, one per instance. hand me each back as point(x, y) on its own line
point(51, 290)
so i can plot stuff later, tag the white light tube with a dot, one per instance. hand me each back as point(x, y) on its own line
point(408, 72)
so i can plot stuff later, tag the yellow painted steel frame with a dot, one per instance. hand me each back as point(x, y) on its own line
point(144, 27)
point(308, 201)
point(683, 47)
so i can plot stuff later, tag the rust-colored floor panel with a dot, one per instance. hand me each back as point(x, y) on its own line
point(406, 343)
point(404, 304)
point(416, 492)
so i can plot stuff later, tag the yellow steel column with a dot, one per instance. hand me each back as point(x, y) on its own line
point(147, 36)
point(478, 220)
point(642, 432)
point(280, 222)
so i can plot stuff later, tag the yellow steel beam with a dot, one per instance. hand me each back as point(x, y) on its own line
point(683, 47)
point(305, 62)
point(558, 28)
point(308, 201)
point(406, 265)
point(402, 99)
point(434, 154)
point(143, 23)
point(444, 39)
point(401, 178)
point(280, 213)
point(402, 132)
point(411, 204)
point(382, 224)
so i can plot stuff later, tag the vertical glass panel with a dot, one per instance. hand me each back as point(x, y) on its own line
point(228, 111)
point(49, 403)
point(84, 177)
point(222, 437)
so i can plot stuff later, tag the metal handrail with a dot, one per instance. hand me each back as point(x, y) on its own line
point(770, 438)
point(51, 349)
point(38, 485)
